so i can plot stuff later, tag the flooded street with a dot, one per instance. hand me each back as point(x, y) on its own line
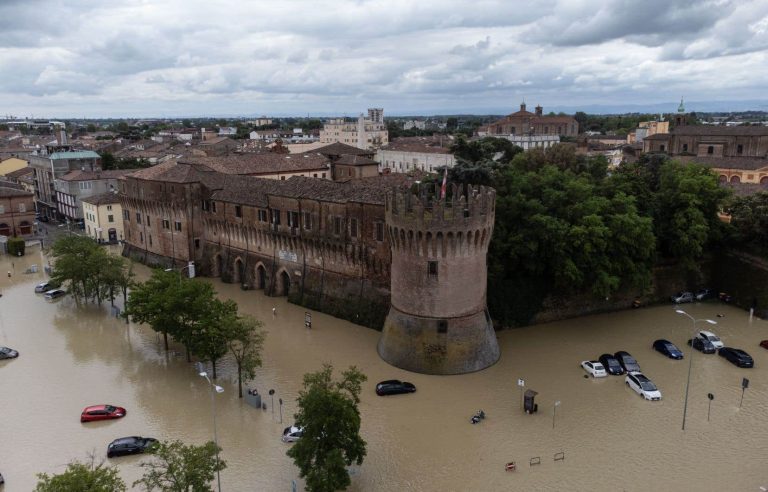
point(611, 438)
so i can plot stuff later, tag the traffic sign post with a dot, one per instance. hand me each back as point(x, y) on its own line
point(709, 409)
point(744, 385)
point(521, 384)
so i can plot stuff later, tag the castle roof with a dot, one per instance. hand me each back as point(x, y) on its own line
point(338, 148)
point(355, 160)
point(79, 175)
point(259, 164)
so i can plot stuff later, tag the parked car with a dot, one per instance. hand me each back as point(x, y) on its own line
point(627, 361)
point(704, 294)
point(611, 364)
point(44, 287)
point(129, 445)
point(702, 345)
point(594, 368)
point(764, 344)
point(725, 297)
point(682, 297)
point(101, 412)
point(292, 434)
point(394, 387)
point(642, 385)
point(8, 353)
point(713, 339)
point(55, 293)
point(667, 348)
point(736, 356)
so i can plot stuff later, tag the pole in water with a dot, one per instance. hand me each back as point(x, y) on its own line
point(711, 397)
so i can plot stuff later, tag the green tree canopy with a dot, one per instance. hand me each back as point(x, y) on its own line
point(82, 477)
point(178, 467)
point(328, 412)
point(245, 341)
point(749, 216)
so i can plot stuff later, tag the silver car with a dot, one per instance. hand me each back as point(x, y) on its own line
point(292, 434)
point(682, 297)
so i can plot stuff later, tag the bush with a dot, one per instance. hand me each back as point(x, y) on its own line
point(16, 246)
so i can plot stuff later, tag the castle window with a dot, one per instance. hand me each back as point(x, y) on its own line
point(178, 225)
point(127, 215)
point(213, 207)
point(337, 226)
point(138, 217)
point(206, 205)
point(197, 243)
point(442, 326)
point(307, 220)
point(262, 216)
point(685, 147)
point(432, 269)
point(141, 237)
point(150, 239)
point(293, 219)
point(166, 224)
point(710, 149)
point(662, 147)
point(379, 231)
point(148, 224)
point(353, 227)
point(238, 211)
point(275, 216)
point(739, 149)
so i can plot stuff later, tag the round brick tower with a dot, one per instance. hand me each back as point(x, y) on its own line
point(438, 322)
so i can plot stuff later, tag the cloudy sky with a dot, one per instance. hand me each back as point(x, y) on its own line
point(81, 58)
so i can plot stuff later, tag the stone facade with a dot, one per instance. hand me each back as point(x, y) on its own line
point(438, 322)
point(17, 211)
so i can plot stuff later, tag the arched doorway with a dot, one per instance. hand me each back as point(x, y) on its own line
point(25, 228)
point(723, 178)
point(5, 230)
point(735, 179)
point(283, 286)
point(238, 272)
point(764, 181)
point(261, 277)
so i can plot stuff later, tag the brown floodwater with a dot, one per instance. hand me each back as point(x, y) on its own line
point(611, 438)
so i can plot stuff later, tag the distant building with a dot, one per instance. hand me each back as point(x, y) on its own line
point(646, 129)
point(227, 131)
point(524, 122)
point(217, 146)
point(103, 217)
point(533, 141)
point(54, 165)
point(75, 186)
point(415, 153)
point(365, 133)
point(415, 125)
point(12, 164)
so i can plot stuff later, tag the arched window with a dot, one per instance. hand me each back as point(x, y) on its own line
point(723, 178)
point(764, 181)
point(735, 179)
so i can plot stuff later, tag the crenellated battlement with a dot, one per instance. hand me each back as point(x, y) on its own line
point(461, 225)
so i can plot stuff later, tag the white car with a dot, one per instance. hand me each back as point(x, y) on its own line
point(643, 386)
point(292, 434)
point(713, 339)
point(594, 368)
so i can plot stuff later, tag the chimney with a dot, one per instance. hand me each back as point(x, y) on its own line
point(539, 110)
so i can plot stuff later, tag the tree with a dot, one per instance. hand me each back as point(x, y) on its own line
point(329, 415)
point(178, 467)
point(84, 267)
point(209, 336)
point(245, 342)
point(82, 477)
point(749, 215)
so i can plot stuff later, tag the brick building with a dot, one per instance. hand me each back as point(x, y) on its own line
point(17, 211)
point(524, 122)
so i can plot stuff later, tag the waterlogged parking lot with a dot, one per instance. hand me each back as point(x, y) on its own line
point(611, 438)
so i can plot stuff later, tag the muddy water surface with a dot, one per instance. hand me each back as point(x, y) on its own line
point(611, 438)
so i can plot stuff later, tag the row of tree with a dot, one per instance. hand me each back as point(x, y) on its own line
point(565, 224)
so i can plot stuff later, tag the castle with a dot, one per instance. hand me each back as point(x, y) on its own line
point(365, 249)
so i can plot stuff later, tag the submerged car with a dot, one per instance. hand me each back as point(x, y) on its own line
point(101, 412)
point(736, 356)
point(55, 293)
point(292, 434)
point(704, 294)
point(667, 348)
point(394, 387)
point(611, 364)
point(627, 361)
point(713, 339)
point(44, 287)
point(129, 445)
point(643, 386)
point(594, 368)
point(764, 344)
point(682, 297)
point(8, 353)
point(702, 345)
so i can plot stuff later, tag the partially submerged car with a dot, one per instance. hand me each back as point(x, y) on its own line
point(129, 445)
point(394, 387)
point(702, 345)
point(643, 386)
point(627, 361)
point(55, 294)
point(712, 338)
point(667, 348)
point(101, 412)
point(736, 356)
point(611, 364)
point(292, 434)
point(594, 368)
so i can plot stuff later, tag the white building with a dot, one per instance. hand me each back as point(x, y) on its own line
point(365, 133)
point(415, 153)
point(415, 124)
point(532, 141)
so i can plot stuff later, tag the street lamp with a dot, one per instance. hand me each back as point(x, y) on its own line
point(217, 389)
point(690, 360)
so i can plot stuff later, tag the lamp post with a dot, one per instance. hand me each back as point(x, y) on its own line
point(218, 389)
point(690, 359)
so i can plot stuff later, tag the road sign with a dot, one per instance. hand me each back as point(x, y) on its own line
point(710, 396)
point(521, 382)
point(745, 383)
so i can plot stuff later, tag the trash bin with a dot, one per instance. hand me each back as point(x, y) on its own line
point(529, 404)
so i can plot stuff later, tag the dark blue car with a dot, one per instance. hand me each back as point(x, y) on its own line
point(667, 348)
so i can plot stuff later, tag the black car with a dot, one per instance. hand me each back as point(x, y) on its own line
point(702, 345)
point(129, 445)
point(8, 353)
point(736, 356)
point(394, 387)
point(611, 364)
point(627, 361)
point(667, 348)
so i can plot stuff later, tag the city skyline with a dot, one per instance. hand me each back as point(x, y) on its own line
point(173, 59)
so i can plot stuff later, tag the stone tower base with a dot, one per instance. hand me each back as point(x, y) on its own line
point(439, 346)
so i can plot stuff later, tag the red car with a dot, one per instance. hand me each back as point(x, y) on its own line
point(764, 344)
point(101, 412)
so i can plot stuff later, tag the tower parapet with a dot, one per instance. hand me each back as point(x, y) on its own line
point(438, 321)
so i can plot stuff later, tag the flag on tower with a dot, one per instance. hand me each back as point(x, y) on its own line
point(445, 181)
